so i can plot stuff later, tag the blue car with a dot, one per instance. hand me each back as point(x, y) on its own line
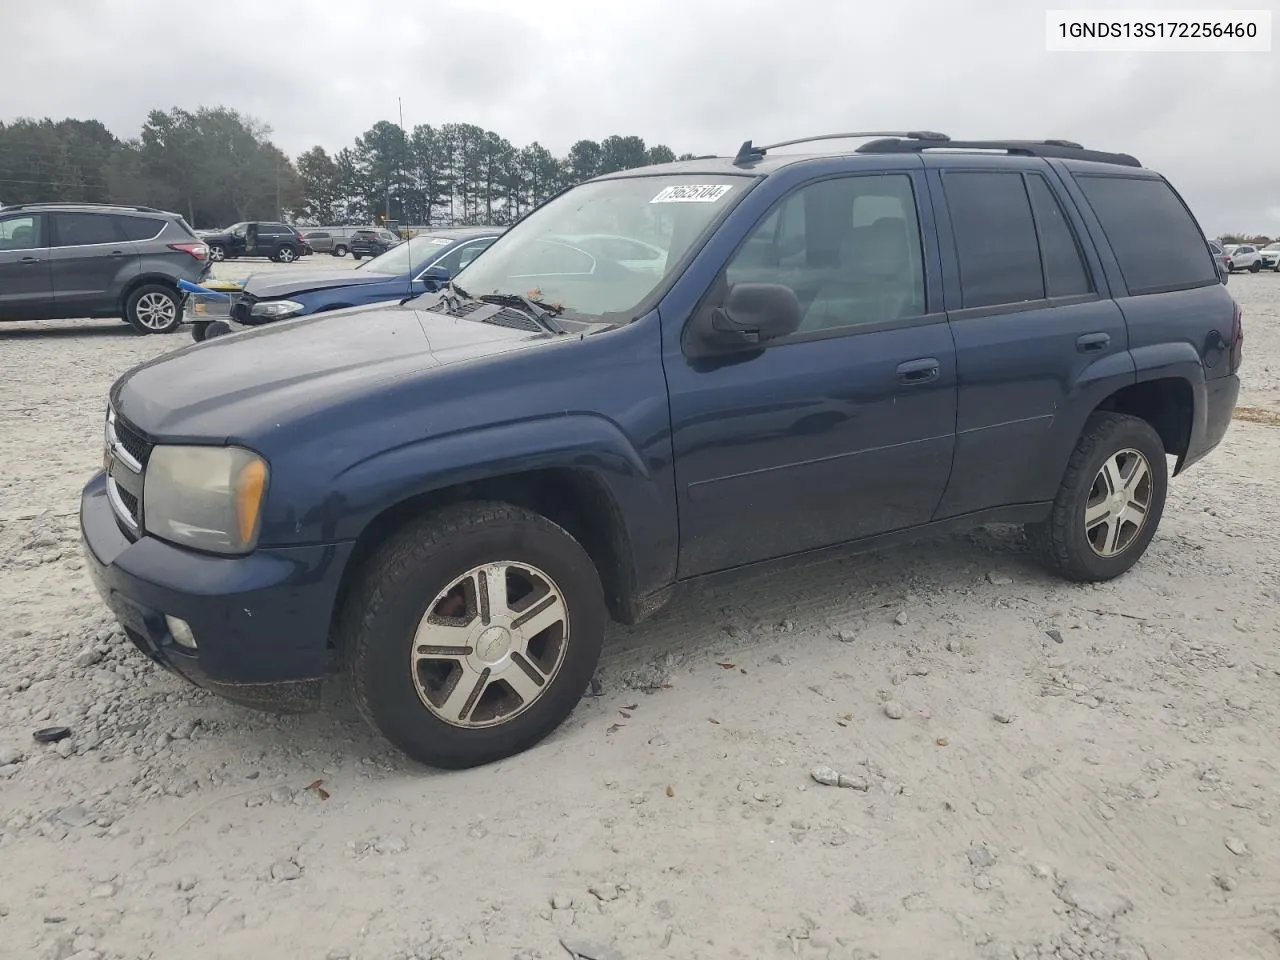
point(409, 269)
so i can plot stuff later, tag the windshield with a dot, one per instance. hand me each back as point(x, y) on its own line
point(603, 247)
point(410, 254)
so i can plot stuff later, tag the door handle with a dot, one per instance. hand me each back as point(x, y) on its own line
point(29, 260)
point(117, 253)
point(914, 372)
point(1093, 342)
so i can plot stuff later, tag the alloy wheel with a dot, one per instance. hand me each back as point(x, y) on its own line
point(1118, 503)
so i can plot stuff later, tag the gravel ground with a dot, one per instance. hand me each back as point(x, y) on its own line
point(934, 753)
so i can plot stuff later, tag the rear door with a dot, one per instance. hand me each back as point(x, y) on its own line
point(1038, 341)
point(90, 262)
point(845, 428)
point(26, 292)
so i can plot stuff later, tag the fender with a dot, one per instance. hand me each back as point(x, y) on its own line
point(1096, 382)
point(582, 441)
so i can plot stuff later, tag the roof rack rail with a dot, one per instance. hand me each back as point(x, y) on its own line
point(749, 153)
point(1062, 149)
point(83, 204)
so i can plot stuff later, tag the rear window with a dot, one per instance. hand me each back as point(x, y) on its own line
point(139, 228)
point(995, 238)
point(1155, 239)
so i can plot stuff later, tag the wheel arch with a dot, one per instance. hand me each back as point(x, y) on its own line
point(575, 498)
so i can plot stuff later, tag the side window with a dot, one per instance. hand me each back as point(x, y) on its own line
point(995, 238)
point(849, 247)
point(1065, 274)
point(20, 233)
point(139, 228)
point(1155, 239)
point(79, 229)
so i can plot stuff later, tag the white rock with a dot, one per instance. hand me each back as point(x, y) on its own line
point(604, 891)
point(1237, 846)
point(88, 657)
point(854, 782)
point(285, 870)
point(894, 710)
point(825, 775)
point(10, 755)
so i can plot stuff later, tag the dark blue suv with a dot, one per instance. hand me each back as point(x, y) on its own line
point(449, 499)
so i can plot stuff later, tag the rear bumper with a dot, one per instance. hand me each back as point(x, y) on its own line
point(1208, 431)
point(261, 622)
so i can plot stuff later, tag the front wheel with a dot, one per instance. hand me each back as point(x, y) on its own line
point(153, 309)
point(1255, 266)
point(199, 330)
point(217, 253)
point(286, 255)
point(355, 256)
point(339, 251)
point(473, 633)
point(1110, 501)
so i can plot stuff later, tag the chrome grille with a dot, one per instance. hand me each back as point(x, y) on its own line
point(127, 452)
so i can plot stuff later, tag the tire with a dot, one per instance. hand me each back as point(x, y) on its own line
point(153, 308)
point(285, 254)
point(1255, 266)
point(217, 253)
point(200, 330)
point(216, 328)
point(355, 256)
point(340, 251)
point(1064, 542)
point(383, 623)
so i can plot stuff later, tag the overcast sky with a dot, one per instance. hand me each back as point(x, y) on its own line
point(698, 75)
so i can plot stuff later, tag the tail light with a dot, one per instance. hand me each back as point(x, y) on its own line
point(198, 250)
point(1236, 354)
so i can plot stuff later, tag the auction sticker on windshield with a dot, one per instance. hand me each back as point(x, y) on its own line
point(692, 193)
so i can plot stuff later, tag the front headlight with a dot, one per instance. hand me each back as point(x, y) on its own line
point(276, 309)
point(207, 498)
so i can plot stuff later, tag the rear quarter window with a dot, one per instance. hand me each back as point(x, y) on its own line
point(1154, 238)
point(139, 228)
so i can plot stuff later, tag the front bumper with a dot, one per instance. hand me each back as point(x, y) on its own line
point(261, 621)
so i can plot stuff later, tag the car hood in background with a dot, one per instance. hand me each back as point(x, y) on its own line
point(267, 286)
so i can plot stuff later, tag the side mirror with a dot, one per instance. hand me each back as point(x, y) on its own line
point(754, 313)
point(435, 277)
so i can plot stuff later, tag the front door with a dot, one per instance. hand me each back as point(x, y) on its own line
point(25, 290)
point(843, 429)
point(91, 262)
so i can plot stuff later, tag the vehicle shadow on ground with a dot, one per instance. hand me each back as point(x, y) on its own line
point(748, 610)
point(74, 329)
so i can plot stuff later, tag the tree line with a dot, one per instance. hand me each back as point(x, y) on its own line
point(217, 166)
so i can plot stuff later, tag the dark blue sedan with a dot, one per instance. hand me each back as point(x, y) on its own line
point(409, 269)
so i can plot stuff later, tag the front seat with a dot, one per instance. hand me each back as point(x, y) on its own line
point(875, 281)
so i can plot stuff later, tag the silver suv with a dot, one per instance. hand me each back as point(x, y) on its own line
point(72, 260)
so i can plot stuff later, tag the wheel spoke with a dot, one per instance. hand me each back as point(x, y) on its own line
point(1136, 475)
point(547, 613)
point(434, 635)
point(464, 696)
point(491, 589)
point(1112, 476)
point(524, 678)
point(1111, 542)
point(1096, 514)
point(1134, 513)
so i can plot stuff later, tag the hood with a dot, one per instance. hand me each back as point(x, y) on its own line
point(245, 384)
point(272, 286)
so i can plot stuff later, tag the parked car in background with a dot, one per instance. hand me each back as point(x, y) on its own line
point(371, 242)
point(1221, 259)
point(319, 241)
point(409, 269)
point(1271, 257)
point(447, 500)
point(257, 238)
point(72, 260)
point(1244, 256)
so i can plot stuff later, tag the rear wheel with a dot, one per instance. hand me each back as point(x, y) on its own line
point(286, 255)
point(1110, 501)
point(153, 308)
point(199, 330)
point(472, 633)
point(355, 256)
point(340, 251)
point(217, 253)
point(216, 328)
